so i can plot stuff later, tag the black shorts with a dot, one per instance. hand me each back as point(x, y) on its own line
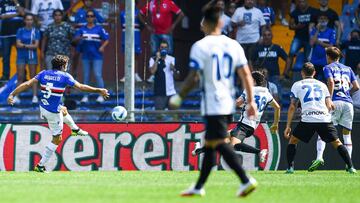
point(304, 131)
point(217, 126)
point(242, 131)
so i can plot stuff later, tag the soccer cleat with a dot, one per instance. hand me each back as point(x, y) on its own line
point(79, 132)
point(247, 188)
point(263, 154)
point(351, 170)
point(315, 164)
point(290, 170)
point(40, 169)
point(196, 149)
point(191, 192)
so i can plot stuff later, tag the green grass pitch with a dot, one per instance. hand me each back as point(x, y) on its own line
point(141, 187)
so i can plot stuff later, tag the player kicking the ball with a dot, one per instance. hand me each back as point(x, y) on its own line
point(246, 126)
point(53, 84)
point(340, 80)
point(316, 105)
point(215, 59)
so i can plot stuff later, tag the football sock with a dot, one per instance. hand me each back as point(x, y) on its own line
point(49, 150)
point(246, 148)
point(320, 147)
point(232, 160)
point(208, 162)
point(348, 143)
point(345, 155)
point(290, 154)
point(70, 122)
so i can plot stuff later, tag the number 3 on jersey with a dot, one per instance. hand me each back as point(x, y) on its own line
point(313, 92)
point(222, 65)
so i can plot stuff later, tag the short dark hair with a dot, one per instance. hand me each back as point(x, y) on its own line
point(259, 78)
point(58, 11)
point(212, 14)
point(308, 69)
point(164, 42)
point(28, 14)
point(59, 61)
point(334, 53)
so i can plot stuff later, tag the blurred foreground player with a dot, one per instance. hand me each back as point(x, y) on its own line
point(53, 83)
point(214, 60)
point(316, 105)
point(246, 126)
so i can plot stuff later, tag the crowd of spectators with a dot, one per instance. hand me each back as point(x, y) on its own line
point(249, 22)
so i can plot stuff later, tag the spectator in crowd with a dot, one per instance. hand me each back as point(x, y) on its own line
point(27, 42)
point(348, 19)
point(137, 36)
point(227, 28)
point(301, 20)
point(267, 55)
point(11, 15)
point(270, 85)
point(231, 9)
point(248, 20)
point(352, 51)
point(283, 8)
point(44, 9)
point(80, 16)
point(57, 39)
point(93, 40)
point(161, 23)
point(321, 37)
point(334, 22)
point(162, 66)
point(268, 12)
point(80, 20)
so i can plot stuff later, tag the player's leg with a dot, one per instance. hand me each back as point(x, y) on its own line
point(55, 121)
point(237, 136)
point(346, 121)
point(328, 133)
point(68, 120)
point(320, 147)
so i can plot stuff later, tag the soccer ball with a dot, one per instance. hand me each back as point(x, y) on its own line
point(119, 113)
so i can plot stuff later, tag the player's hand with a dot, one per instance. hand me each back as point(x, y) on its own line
point(175, 101)
point(251, 110)
point(104, 93)
point(274, 128)
point(10, 100)
point(287, 132)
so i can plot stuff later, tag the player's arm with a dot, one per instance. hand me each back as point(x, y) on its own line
point(240, 101)
point(355, 86)
point(247, 83)
point(274, 127)
point(22, 87)
point(331, 85)
point(189, 83)
point(291, 111)
point(329, 104)
point(86, 88)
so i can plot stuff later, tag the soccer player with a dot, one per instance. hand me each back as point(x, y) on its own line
point(341, 80)
point(246, 126)
point(53, 83)
point(214, 60)
point(316, 105)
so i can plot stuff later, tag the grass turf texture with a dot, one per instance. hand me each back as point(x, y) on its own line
point(125, 186)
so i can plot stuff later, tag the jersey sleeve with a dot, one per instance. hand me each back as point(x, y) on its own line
point(294, 92)
point(327, 72)
point(70, 81)
point(269, 96)
point(196, 58)
point(104, 35)
point(39, 75)
point(352, 76)
point(174, 8)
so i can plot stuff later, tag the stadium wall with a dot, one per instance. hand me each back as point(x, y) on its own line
point(143, 146)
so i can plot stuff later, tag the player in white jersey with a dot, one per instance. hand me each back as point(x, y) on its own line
point(53, 84)
point(215, 60)
point(246, 126)
point(316, 105)
point(341, 81)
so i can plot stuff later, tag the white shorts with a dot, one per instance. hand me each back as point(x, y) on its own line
point(356, 99)
point(55, 121)
point(343, 114)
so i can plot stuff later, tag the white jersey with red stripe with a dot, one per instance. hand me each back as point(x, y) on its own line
point(53, 84)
